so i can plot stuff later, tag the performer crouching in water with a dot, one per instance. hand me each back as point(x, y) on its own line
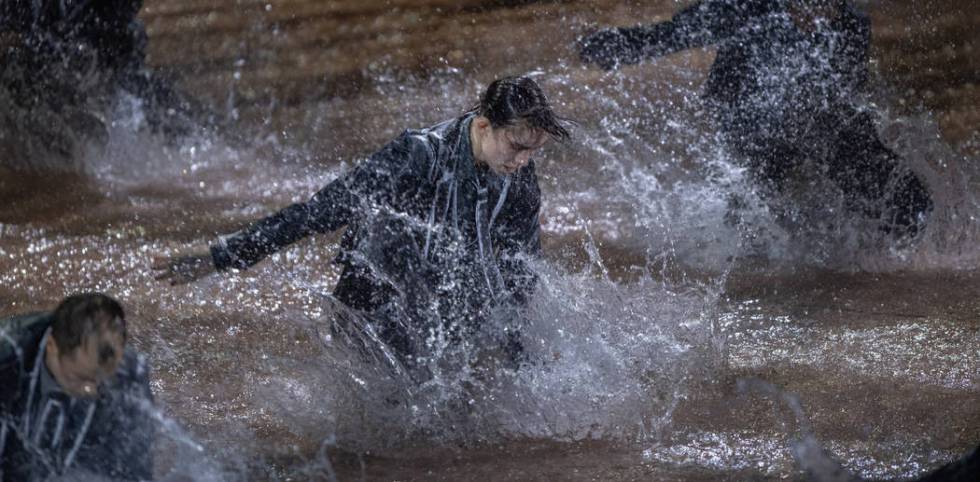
point(440, 225)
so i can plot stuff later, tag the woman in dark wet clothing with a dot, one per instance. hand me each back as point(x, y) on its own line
point(440, 222)
point(783, 91)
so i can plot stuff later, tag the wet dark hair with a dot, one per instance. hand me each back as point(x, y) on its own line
point(81, 315)
point(510, 100)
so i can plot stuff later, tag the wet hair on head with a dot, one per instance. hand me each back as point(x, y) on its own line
point(81, 315)
point(511, 100)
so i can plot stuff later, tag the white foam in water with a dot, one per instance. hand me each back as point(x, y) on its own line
point(605, 362)
point(954, 228)
point(613, 360)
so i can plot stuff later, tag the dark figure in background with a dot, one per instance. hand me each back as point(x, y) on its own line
point(439, 223)
point(71, 49)
point(782, 91)
point(73, 398)
point(56, 29)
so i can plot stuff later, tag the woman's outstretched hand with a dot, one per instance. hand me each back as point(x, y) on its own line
point(184, 267)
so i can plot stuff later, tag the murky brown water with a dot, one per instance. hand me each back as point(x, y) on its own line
point(886, 363)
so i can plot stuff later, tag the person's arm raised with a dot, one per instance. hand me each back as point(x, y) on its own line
point(369, 186)
point(704, 23)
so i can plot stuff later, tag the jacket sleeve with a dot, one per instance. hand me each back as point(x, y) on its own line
point(10, 370)
point(521, 240)
point(19, 337)
point(377, 183)
point(11, 364)
point(704, 23)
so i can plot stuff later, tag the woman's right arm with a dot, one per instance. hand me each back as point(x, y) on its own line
point(370, 185)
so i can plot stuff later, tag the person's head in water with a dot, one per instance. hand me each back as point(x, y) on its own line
point(88, 335)
point(513, 119)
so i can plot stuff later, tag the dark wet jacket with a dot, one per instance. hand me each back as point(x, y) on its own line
point(769, 76)
point(44, 435)
point(108, 28)
point(428, 231)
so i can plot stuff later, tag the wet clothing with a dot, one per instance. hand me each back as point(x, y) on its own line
point(432, 239)
point(44, 432)
point(784, 97)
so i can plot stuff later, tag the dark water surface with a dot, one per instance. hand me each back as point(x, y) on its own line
point(651, 308)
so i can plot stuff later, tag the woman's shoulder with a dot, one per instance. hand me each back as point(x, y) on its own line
point(434, 136)
point(423, 148)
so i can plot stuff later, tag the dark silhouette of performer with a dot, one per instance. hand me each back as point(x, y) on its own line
point(59, 29)
point(782, 90)
point(61, 43)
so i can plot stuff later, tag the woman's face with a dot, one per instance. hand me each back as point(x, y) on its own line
point(507, 149)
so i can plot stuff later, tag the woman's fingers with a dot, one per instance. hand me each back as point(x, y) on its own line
point(159, 262)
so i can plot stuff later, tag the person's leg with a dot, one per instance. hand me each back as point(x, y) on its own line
point(875, 182)
point(378, 338)
point(390, 286)
point(775, 168)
